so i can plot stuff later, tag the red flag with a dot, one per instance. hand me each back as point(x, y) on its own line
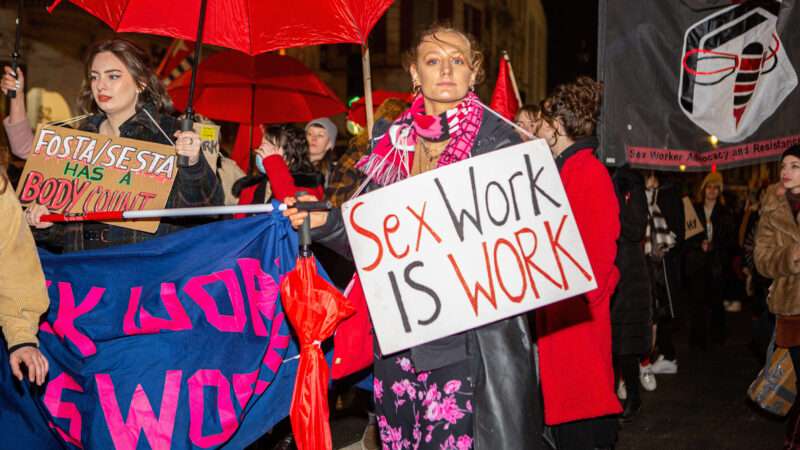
point(504, 98)
point(177, 61)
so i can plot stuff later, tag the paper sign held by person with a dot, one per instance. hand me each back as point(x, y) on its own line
point(466, 245)
point(71, 171)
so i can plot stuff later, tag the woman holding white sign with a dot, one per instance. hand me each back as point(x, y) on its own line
point(475, 389)
point(574, 335)
point(124, 99)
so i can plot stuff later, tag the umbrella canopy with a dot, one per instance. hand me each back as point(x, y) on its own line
point(358, 110)
point(267, 88)
point(314, 308)
point(250, 26)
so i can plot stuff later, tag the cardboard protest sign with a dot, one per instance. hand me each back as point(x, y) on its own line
point(466, 245)
point(71, 171)
point(692, 224)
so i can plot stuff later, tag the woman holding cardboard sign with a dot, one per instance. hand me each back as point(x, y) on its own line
point(475, 389)
point(125, 99)
point(574, 335)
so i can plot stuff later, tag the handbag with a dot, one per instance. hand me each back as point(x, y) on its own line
point(774, 388)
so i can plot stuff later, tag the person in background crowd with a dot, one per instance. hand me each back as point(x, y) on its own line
point(665, 229)
point(574, 335)
point(284, 167)
point(23, 295)
point(321, 135)
point(125, 99)
point(528, 118)
point(480, 372)
point(777, 256)
point(707, 255)
point(756, 285)
point(631, 313)
point(345, 177)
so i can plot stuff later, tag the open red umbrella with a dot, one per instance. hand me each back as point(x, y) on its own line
point(267, 88)
point(250, 26)
point(252, 90)
point(314, 309)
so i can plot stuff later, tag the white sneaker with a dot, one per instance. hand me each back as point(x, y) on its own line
point(622, 392)
point(647, 377)
point(664, 366)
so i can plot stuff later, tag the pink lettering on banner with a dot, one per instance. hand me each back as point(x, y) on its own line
point(157, 431)
point(178, 319)
point(243, 386)
point(273, 359)
point(229, 323)
point(64, 410)
point(64, 325)
point(262, 299)
point(227, 415)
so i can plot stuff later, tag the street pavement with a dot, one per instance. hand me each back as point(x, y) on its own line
point(703, 406)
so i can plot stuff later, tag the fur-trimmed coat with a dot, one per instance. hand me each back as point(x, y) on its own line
point(777, 241)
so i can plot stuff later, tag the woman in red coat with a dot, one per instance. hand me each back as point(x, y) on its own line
point(574, 335)
point(284, 167)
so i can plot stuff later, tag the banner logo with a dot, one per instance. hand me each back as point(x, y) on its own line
point(735, 72)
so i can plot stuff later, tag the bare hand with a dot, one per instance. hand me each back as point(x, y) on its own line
point(187, 143)
point(318, 218)
point(9, 83)
point(267, 148)
point(33, 216)
point(34, 360)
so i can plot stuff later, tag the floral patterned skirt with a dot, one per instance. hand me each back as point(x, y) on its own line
point(423, 409)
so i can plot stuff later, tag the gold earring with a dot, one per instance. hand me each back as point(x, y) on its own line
point(415, 86)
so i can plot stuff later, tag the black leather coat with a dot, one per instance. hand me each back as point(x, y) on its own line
point(507, 410)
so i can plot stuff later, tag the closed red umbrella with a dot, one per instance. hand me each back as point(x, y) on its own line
point(268, 88)
point(314, 308)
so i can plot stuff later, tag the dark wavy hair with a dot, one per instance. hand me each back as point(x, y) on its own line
point(473, 53)
point(135, 60)
point(294, 144)
point(576, 105)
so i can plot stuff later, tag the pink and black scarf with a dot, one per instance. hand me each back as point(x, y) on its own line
point(391, 159)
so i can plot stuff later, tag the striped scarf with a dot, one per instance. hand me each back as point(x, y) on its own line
point(658, 239)
point(393, 155)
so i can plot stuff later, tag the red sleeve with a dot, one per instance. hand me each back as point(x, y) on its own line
point(594, 205)
point(246, 198)
point(280, 179)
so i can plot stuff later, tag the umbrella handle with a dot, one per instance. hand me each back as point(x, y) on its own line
point(186, 124)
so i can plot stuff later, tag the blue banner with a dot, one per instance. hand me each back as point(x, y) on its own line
point(178, 342)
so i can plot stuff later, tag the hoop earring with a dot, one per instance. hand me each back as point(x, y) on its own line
point(472, 88)
point(416, 87)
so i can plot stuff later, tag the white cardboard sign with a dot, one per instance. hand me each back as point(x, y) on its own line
point(466, 245)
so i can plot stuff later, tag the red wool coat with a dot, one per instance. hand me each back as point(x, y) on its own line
point(574, 335)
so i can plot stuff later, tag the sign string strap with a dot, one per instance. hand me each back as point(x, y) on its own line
point(519, 128)
point(59, 123)
point(171, 142)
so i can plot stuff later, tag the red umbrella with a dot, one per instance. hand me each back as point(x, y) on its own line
point(358, 110)
point(252, 90)
point(268, 88)
point(250, 26)
point(314, 308)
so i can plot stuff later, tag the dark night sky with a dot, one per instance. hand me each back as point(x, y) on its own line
point(572, 40)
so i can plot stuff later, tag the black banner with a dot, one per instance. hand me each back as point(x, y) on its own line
point(695, 83)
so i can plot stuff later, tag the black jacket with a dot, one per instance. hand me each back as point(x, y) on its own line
point(197, 185)
point(631, 305)
point(507, 412)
